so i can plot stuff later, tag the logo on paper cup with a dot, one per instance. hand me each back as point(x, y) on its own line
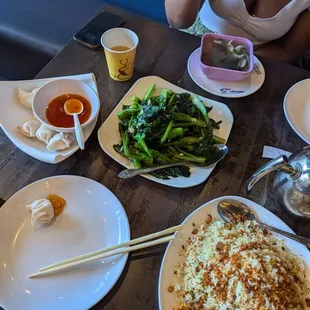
point(126, 70)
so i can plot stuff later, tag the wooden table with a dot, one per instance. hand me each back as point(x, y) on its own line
point(259, 120)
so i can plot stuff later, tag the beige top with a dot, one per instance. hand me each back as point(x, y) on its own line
point(232, 18)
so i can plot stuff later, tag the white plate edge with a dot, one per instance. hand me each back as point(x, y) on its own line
point(300, 133)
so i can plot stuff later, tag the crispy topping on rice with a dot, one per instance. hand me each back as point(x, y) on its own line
point(238, 266)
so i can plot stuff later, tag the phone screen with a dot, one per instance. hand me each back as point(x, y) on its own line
point(91, 33)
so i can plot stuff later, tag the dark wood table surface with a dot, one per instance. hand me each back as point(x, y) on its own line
point(258, 120)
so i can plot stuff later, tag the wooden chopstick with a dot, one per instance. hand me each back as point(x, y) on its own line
point(101, 256)
point(114, 247)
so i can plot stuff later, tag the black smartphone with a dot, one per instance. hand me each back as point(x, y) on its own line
point(91, 33)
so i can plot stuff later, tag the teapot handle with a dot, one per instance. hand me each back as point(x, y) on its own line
point(277, 163)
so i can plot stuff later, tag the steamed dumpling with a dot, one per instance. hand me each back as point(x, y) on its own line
point(25, 98)
point(29, 128)
point(42, 212)
point(45, 134)
point(60, 141)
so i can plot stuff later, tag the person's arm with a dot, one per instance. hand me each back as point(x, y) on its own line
point(182, 13)
point(293, 44)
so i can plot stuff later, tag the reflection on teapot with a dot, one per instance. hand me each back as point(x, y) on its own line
point(291, 182)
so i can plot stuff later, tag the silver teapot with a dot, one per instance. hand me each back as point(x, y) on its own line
point(291, 183)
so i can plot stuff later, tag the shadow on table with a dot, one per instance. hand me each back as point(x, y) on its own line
point(2, 202)
point(142, 254)
point(101, 304)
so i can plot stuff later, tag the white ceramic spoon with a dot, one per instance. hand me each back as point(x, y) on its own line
point(75, 107)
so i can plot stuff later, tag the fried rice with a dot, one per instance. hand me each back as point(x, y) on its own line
point(238, 266)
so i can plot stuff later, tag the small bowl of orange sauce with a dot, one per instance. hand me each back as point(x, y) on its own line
point(49, 101)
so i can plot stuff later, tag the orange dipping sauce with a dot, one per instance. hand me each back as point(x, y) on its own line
point(56, 115)
point(57, 202)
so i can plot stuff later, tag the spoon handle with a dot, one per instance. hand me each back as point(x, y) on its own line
point(300, 239)
point(78, 131)
point(129, 173)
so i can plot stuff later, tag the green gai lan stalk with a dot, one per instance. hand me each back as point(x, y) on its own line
point(167, 128)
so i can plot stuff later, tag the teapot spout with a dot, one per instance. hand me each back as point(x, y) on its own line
point(278, 163)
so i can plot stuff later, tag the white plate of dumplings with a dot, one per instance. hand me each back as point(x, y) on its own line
point(93, 218)
point(26, 132)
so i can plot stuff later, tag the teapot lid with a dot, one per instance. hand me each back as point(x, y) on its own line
point(301, 162)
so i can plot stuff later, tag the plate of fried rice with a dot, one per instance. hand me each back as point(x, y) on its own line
point(212, 265)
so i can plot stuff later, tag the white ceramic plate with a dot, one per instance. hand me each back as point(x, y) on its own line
point(108, 134)
point(13, 114)
point(168, 301)
point(296, 107)
point(92, 219)
point(238, 89)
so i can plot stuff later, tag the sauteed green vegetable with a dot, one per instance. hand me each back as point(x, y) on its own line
point(169, 128)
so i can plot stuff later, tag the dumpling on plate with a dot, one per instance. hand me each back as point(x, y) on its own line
point(25, 98)
point(42, 212)
point(29, 128)
point(59, 142)
point(45, 134)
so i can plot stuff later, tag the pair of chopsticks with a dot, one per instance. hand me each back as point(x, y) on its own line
point(126, 247)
